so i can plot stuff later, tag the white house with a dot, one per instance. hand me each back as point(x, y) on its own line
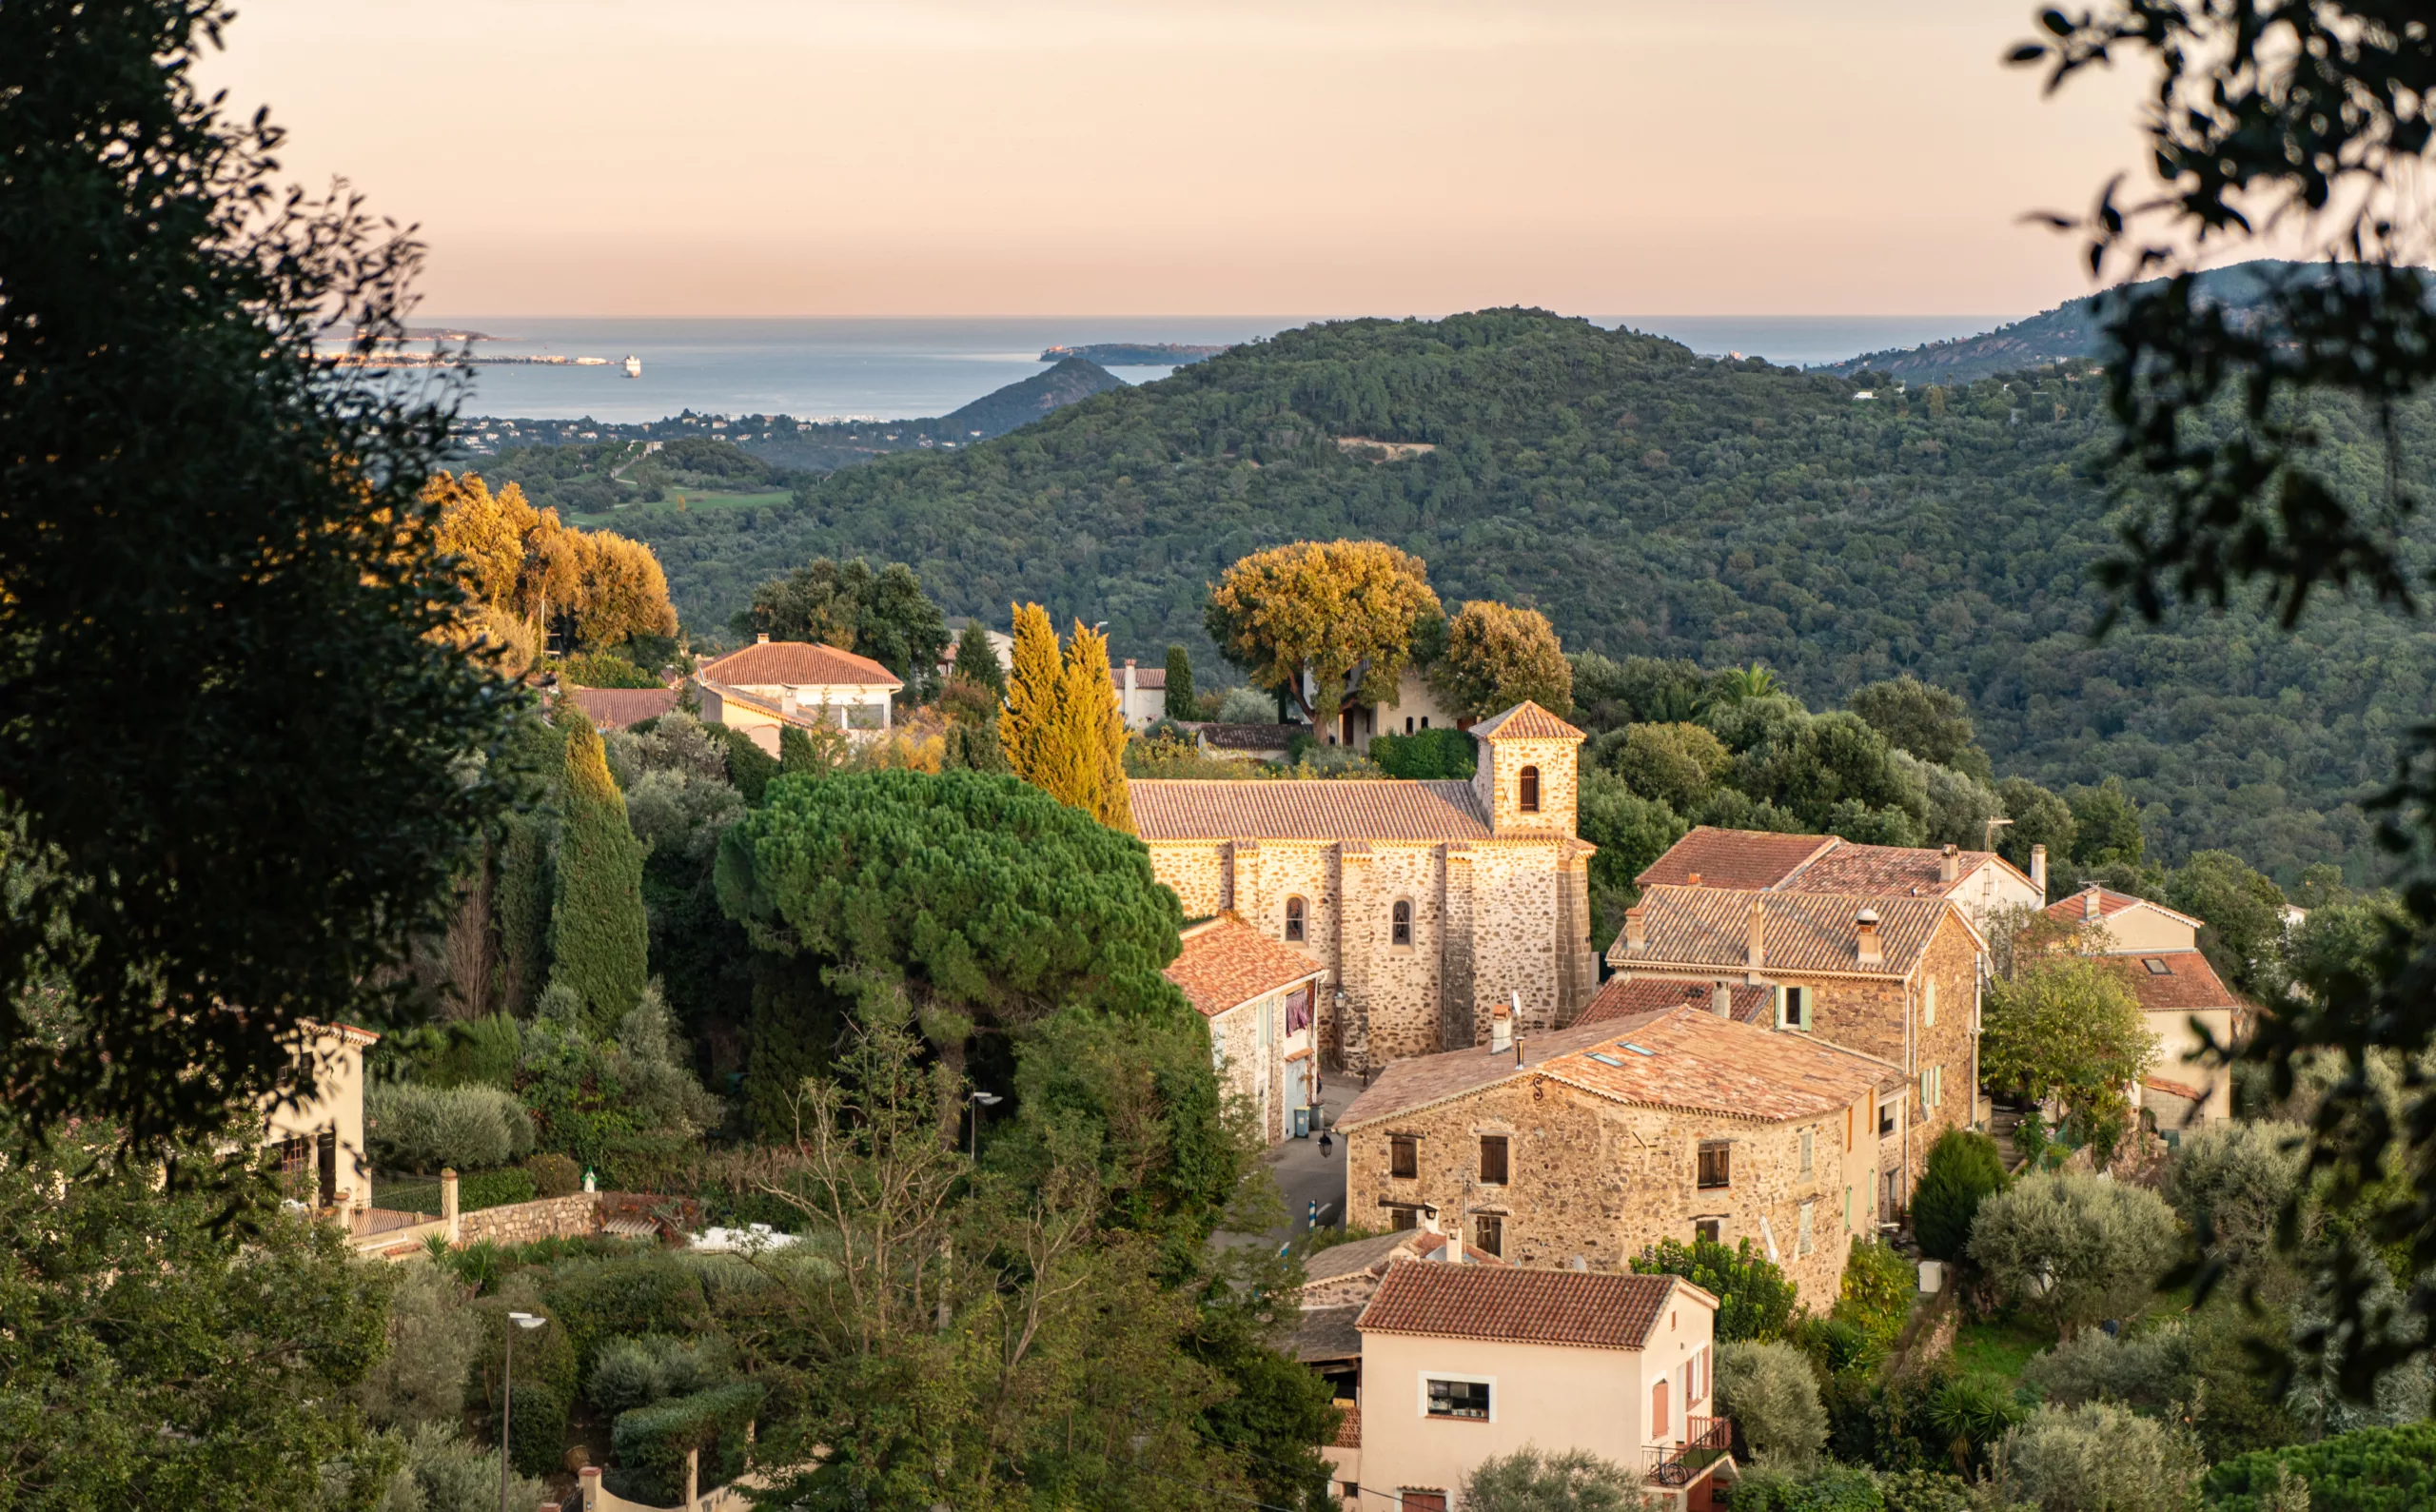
point(1141, 694)
point(773, 683)
point(322, 1153)
point(1259, 997)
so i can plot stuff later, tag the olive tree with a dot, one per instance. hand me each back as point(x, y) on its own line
point(2098, 1457)
point(1771, 1393)
point(2067, 1026)
point(2076, 1249)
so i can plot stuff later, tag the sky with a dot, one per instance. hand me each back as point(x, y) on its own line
point(1193, 157)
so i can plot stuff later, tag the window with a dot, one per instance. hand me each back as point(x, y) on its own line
point(1421, 1501)
point(1658, 1428)
point(1801, 1246)
point(1929, 1005)
point(298, 1179)
point(1293, 921)
point(1696, 1379)
point(1717, 1168)
point(1404, 1155)
point(1489, 1233)
point(1932, 1087)
point(1400, 924)
point(1407, 724)
point(1848, 1209)
point(1456, 1399)
point(1492, 1160)
point(866, 715)
point(1424, 721)
point(1712, 1229)
point(1401, 1219)
point(2156, 965)
point(1793, 1008)
point(1885, 1119)
point(1530, 790)
point(1807, 1162)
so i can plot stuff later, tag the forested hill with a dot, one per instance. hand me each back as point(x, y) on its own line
point(1649, 501)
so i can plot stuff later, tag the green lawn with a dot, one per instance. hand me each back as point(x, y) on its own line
point(2000, 1348)
point(691, 498)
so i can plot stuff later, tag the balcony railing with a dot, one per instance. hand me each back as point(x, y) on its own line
point(1705, 1442)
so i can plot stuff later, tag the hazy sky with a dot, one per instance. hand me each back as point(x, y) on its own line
point(1302, 157)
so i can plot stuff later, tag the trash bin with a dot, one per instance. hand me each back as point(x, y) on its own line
point(1302, 1123)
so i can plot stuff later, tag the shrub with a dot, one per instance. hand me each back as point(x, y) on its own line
point(1829, 1488)
point(597, 1300)
point(2150, 1371)
point(2230, 1182)
point(749, 767)
point(1768, 1390)
point(495, 1189)
point(1244, 706)
point(421, 1129)
point(441, 1473)
point(432, 1338)
point(2097, 1458)
point(2373, 1470)
point(554, 1175)
point(1426, 755)
point(629, 1373)
point(602, 669)
point(537, 1434)
point(1964, 1170)
point(1876, 1293)
point(2074, 1249)
point(1926, 1491)
point(1530, 1480)
point(1755, 1301)
point(650, 1443)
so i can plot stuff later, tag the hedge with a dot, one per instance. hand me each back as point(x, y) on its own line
point(648, 1446)
point(494, 1188)
point(2373, 1470)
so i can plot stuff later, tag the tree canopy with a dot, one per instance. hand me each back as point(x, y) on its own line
point(882, 615)
point(2066, 1026)
point(1342, 612)
point(1497, 657)
point(520, 563)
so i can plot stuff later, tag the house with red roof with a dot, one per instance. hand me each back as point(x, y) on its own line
point(1981, 883)
point(1462, 1364)
point(1260, 998)
point(2156, 950)
point(771, 684)
point(1422, 903)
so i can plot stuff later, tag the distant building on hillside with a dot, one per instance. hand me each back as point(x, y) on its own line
point(773, 683)
point(1141, 694)
point(1422, 902)
point(1416, 709)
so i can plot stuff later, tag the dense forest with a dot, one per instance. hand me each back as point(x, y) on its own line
point(1653, 503)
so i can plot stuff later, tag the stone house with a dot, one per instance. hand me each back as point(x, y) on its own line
point(2157, 950)
point(1260, 999)
point(1422, 902)
point(1416, 708)
point(773, 683)
point(1982, 883)
point(1244, 742)
point(1588, 1144)
point(322, 1159)
point(1895, 978)
point(1462, 1364)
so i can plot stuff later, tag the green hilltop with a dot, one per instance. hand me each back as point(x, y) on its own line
point(1650, 502)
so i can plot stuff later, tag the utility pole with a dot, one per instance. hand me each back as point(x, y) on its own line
point(517, 1322)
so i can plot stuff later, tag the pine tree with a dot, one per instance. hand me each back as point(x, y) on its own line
point(976, 662)
point(1182, 704)
point(600, 940)
point(1095, 728)
point(1025, 730)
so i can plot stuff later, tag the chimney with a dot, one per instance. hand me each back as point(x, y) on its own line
point(2038, 870)
point(1636, 928)
point(787, 701)
point(1865, 929)
point(1722, 999)
point(762, 639)
point(2088, 902)
point(1500, 1030)
point(1694, 880)
point(1949, 865)
point(1453, 1254)
point(1756, 955)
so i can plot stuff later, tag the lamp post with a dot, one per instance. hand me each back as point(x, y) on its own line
point(977, 1102)
point(518, 1321)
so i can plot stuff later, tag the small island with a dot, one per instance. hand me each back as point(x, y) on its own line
point(1134, 354)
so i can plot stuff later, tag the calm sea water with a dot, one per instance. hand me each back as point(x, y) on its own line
point(901, 369)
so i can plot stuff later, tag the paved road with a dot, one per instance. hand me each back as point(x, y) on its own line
point(1305, 1175)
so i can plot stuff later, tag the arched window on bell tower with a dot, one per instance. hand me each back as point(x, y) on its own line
point(1529, 798)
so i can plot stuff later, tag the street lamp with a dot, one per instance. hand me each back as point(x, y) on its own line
point(1994, 825)
point(978, 1102)
point(507, 1397)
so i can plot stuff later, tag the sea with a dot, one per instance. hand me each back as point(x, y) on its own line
point(899, 369)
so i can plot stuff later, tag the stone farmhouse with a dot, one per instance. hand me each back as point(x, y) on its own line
point(773, 683)
point(1422, 902)
point(1981, 883)
point(1416, 708)
point(1895, 978)
point(323, 1162)
point(1590, 1143)
point(1461, 1364)
point(1260, 998)
point(2156, 950)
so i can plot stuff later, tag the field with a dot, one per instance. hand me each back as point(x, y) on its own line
point(680, 502)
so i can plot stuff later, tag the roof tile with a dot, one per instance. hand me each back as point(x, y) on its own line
point(1227, 963)
point(1631, 997)
point(1709, 928)
point(1318, 808)
point(1525, 722)
point(1732, 858)
point(616, 708)
point(2188, 984)
point(798, 664)
point(1518, 1305)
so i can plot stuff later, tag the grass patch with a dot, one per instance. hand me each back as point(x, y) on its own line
point(691, 499)
point(2001, 1347)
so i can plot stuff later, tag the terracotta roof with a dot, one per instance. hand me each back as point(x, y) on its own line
point(1518, 1305)
point(1373, 1254)
point(1348, 1427)
point(2074, 908)
point(798, 663)
point(1244, 736)
point(1155, 677)
point(1327, 1334)
point(1731, 858)
point(1226, 963)
point(1525, 722)
point(1418, 1081)
point(2187, 984)
point(1708, 928)
point(616, 708)
point(1892, 870)
point(2182, 1090)
point(1631, 997)
point(1320, 809)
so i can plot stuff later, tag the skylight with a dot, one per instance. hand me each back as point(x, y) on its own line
point(1607, 1060)
point(1638, 1050)
point(2156, 965)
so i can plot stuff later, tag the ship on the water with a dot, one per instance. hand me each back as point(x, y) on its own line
point(634, 365)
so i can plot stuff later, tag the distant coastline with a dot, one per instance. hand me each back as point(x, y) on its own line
point(1134, 354)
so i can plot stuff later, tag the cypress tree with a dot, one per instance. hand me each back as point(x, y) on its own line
point(600, 940)
point(1027, 729)
point(1182, 704)
point(1093, 729)
point(977, 663)
point(749, 767)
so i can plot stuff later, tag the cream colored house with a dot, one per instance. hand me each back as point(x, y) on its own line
point(1416, 708)
point(1423, 903)
point(1141, 694)
point(1261, 1001)
point(2157, 950)
point(1981, 883)
point(773, 683)
point(1461, 1364)
point(321, 1153)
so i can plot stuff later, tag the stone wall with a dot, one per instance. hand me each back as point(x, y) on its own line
point(1595, 1179)
point(1234, 1036)
point(571, 1217)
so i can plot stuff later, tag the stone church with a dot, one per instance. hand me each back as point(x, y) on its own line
point(1426, 902)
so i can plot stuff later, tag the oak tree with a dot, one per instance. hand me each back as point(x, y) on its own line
point(1341, 611)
